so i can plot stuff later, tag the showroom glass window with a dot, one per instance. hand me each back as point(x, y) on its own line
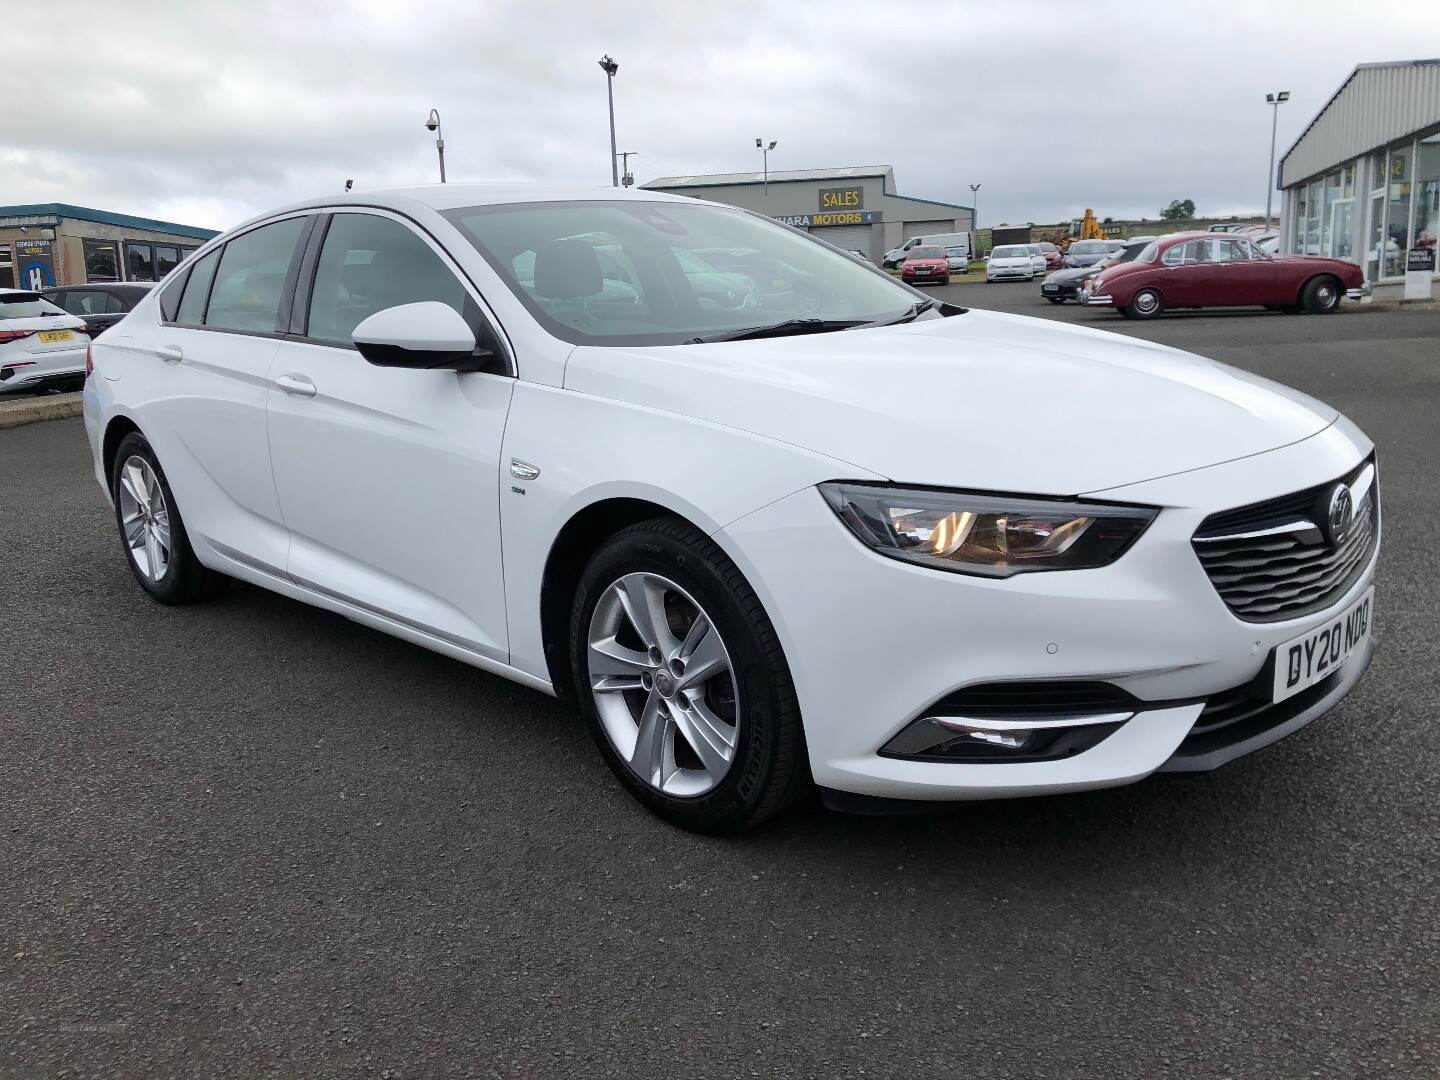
point(369, 263)
point(1327, 212)
point(251, 278)
point(167, 257)
point(102, 260)
point(1426, 232)
point(139, 262)
point(1397, 210)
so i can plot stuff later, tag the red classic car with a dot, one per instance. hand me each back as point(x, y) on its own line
point(926, 263)
point(1190, 270)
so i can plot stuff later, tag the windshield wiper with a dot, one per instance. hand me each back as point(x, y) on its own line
point(786, 328)
point(919, 307)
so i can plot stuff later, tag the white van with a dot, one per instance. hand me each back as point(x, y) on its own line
point(948, 241)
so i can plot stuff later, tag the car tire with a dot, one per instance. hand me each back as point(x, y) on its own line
point(747, 706)
point(152, 532)
point(1145, 304)
point(945, 280)
point(1055, 299)
point(1321, 295)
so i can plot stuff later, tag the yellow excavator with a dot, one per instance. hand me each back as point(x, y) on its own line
point(1086, 228)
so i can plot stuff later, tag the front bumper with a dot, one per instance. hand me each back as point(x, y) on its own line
point(874, 643)
point(1095, 299)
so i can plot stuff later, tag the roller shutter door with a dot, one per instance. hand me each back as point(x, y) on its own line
point(928, 228)
point(847, 236)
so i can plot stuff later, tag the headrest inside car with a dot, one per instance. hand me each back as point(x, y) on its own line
point(567, 270)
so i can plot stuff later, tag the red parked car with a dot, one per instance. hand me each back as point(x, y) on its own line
point(1191, 270)
point(1053, 255)
point(926, 263)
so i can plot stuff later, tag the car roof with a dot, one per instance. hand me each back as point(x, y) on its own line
point(487, 193)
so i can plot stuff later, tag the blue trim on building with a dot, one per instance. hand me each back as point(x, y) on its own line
point(105, 217)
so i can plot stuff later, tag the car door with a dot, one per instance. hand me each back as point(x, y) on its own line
point(208, 368)
point(389, 478)
point(1190, 282)
point(1241, 277)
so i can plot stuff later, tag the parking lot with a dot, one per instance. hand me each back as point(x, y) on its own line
point(252, 837)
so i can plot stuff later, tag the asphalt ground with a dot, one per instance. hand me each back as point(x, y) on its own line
point(253, 839)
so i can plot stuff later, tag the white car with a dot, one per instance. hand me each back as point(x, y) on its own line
point(1014, 262)
point(895, 547)
point(42, 346)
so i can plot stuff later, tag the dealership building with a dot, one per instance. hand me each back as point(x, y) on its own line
point(44, 244)
point(1362, 182)
point(854, 208)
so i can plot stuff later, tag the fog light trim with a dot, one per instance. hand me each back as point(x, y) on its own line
point(1001, 738)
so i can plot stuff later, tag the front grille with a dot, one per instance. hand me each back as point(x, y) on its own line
point(1289, 569)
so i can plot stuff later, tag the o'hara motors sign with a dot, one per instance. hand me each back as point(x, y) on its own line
point(839, 217)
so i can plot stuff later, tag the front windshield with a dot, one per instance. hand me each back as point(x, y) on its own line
point(1089, 247)
point(1010, 253)
point(659, 273)
point(927, 253)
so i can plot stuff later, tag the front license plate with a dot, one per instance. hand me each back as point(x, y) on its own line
point(47, 336)
point(1308, 659)
point(1049, 288)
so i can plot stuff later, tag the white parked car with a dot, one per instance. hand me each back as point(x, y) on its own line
point(896, 547)
point(42, 346)
point(1014, 262)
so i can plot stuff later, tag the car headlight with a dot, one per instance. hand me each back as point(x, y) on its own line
point(989, 535)
point(1093, 282)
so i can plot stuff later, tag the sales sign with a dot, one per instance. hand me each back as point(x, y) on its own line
point(842, 198)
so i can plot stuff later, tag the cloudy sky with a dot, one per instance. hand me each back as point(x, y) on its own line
point(207, 111)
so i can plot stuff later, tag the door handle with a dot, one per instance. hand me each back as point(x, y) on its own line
point(296, 384)
point(171, 354)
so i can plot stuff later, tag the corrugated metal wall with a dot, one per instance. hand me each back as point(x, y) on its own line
point(1377, 106)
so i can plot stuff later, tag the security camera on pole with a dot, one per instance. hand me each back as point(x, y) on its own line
point(610, 67)
point(433, 124)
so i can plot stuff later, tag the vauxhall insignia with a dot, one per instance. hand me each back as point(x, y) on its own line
point(1339, 514)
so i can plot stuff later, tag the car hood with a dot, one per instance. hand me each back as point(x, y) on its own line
point(980, 400)
point(1076, 274)
point(1010, 260)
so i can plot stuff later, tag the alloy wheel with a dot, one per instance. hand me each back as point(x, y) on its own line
point(663, 684)
point(145, 518)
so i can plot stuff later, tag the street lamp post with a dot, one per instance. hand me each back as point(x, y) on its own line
point(610, 67)
point(432, 123)
point(974, 206)
point(1274, 101)
point(765, 161)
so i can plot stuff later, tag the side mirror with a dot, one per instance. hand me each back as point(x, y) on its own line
point(424, 336)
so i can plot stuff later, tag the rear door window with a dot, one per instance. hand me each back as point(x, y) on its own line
point(250, 280)
point(197, 290)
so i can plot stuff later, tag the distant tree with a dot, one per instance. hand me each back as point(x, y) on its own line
point(1178, 210)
